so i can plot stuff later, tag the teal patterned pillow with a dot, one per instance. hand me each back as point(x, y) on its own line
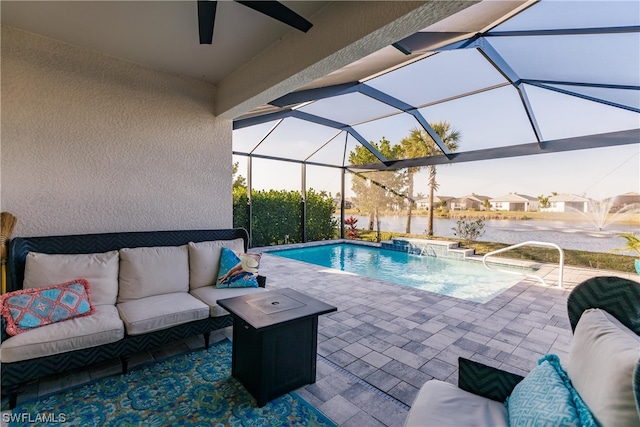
point(26, 309)
point(547, 398)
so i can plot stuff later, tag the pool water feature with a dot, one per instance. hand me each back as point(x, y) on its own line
point(466, 280)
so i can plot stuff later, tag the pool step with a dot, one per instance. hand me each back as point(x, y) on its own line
point(425, 247)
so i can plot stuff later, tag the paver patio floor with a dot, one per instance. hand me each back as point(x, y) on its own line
point(386, 340)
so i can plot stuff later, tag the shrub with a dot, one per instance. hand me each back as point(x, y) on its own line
point(276, 214)
point(469, 230)
point(352, 232)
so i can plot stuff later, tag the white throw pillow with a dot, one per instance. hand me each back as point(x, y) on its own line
point(152, 271)
point(204, 260)
point(100, 270)
point(603, 356)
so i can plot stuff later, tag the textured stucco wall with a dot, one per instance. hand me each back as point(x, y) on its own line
point(95, 144)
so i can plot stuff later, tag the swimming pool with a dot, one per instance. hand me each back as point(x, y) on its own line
point(460, 279)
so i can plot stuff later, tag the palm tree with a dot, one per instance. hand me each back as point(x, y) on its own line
point(420, 144)
point(411, 148)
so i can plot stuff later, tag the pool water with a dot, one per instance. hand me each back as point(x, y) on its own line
point(460, 279)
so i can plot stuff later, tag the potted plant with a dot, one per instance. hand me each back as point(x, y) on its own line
point(633, 244)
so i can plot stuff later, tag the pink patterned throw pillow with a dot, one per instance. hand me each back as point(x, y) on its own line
point(29, 308)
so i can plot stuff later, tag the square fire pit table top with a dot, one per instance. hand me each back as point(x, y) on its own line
point(271, 308)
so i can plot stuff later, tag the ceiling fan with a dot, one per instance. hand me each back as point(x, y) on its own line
point(274, 9)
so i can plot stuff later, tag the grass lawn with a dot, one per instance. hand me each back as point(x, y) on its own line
point(576, 258)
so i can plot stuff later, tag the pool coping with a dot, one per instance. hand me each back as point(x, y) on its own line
point(451, 247)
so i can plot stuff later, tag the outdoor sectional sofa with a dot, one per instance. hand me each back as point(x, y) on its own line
point(147, 288)
point(601, 382)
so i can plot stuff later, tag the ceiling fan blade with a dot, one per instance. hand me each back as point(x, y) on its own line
point(278, 11)
point(206, 18)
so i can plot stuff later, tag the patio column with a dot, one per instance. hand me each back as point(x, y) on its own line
point(342, 200)
point(303, 207)
point(249, 211)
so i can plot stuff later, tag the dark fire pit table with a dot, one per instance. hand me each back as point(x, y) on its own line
point(275, 339)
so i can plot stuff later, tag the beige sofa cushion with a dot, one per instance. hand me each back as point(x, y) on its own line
point(204, 260)
point(442, 404)
point(145, 272)
point(602, 359)
point(100, 270)
point(210, 296)
point(102, 327)
point(161, 312)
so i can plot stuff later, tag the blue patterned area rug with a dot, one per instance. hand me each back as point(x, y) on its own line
point(194, 389)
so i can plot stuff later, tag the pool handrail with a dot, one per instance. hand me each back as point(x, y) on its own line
point(528, 243)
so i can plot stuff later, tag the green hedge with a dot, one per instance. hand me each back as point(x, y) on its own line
point(277, 214)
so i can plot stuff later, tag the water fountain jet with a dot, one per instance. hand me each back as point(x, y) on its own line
point(599, 213)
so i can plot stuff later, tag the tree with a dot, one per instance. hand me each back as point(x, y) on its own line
point(420, 144)
point(411, 148)
point(375, 191)
point(544, 201)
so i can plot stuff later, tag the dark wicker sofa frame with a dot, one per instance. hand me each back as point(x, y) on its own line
point(17, 373)
point(619, 297)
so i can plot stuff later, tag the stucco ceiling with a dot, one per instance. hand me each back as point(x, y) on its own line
point(162, 35)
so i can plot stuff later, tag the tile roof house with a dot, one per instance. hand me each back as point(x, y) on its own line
point(470, 201)
point(439, 201)
point(620, 201)
point(567, 203)
point(515, 202)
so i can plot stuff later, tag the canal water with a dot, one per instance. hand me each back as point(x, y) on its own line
point(568, 235)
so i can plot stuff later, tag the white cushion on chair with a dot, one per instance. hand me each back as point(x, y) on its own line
point(161, 312)
point(441, 404)
point(102, 327)
point(210, 296)
point(602, 359)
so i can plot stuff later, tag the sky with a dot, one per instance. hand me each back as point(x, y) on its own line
point(488, 118)
point(595, 173)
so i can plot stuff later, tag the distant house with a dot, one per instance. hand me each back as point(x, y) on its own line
point(438, 201)
point(567, 203)
point(515, 202)
point(348, 203)
point(622, 200)
point(470, 201)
